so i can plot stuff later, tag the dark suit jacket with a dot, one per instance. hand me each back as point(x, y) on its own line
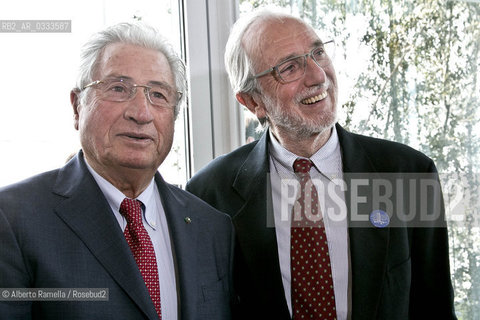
point(397, 272)
point(57, 230)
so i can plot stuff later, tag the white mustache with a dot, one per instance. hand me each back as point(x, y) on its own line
point(312, 91)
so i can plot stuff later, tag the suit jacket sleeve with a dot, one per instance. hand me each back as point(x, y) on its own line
point(13, 273)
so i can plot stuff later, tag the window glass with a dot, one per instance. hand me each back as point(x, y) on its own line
point(39, 70)
point(410, 72)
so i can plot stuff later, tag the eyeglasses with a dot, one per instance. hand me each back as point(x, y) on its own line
point(293, 68)
point(120, 90)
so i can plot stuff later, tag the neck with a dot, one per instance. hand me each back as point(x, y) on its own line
point(131, 185)
point(130, 181)
point(300, 145)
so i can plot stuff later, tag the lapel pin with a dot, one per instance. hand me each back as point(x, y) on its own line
point(188, 220)
point(379, 218)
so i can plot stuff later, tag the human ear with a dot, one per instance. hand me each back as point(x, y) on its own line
point(254, 103)
point(75, 101)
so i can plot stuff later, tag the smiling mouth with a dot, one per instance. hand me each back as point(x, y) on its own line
point(315, 99)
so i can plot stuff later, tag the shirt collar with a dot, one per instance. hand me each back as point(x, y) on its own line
point(115, 197)
point(323, 158)
point(148, 199)
point(281, 155)
point(286, 158)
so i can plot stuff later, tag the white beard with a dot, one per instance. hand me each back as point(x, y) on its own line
point(293, 123)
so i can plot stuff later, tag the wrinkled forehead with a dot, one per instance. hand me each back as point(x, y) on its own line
point(135, 62)
point(268, 42)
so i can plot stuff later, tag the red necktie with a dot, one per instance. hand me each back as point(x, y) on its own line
point(312, 284)
point(142, 249)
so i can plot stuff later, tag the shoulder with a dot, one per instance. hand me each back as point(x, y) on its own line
point(230, 161)
point(23, 203)
point(383, 154)
point(224, 168)
point(202, 209)
point(372, 144)
point(31, 189)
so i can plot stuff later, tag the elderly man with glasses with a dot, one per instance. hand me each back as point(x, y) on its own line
point(321, 228)
point(105, 237)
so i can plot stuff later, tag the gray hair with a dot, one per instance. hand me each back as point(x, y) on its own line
point(240, 67)
point(138, 34)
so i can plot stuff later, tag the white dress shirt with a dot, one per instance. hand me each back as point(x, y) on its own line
point(155, 223)
point(327, 169)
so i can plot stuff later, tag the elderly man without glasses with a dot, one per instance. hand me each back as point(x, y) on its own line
point(107, 220)
point(322, 228)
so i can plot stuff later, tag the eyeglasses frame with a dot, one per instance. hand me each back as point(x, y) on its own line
point(146, 90)
point(276, 73)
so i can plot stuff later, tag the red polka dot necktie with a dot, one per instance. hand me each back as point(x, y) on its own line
point(142, 249)
point(312, 284)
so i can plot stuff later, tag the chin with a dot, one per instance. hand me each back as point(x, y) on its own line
point(304, 128)
point(136, 162)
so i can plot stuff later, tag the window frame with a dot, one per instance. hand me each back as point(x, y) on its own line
point(215, 117)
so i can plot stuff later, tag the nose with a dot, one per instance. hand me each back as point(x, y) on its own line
point(138, 108)
point(314, 74)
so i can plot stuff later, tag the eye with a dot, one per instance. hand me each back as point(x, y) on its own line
point(117, 87)
point(319, 53)
point(158, 96)
point(289, 67)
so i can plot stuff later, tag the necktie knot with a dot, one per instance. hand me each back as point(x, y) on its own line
point(302, 165)
point(132, 211)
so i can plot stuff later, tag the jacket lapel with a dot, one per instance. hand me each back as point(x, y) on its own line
point(369, 245)
point(254, 222)
point(86, 211)
point(184, 246)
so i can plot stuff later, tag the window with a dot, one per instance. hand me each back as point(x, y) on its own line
point(410, 72)
point(36, 126)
